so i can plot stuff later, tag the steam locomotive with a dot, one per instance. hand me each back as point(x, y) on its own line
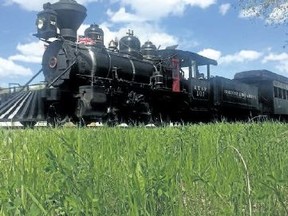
point(133, 84)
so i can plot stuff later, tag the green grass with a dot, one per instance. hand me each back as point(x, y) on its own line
point(194, 170)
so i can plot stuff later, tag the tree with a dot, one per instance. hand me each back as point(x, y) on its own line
point(273, 11)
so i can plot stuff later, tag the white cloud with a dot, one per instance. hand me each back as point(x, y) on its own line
point(24, 58)
point(140, 14)
point(241, 56)
point(10, 69)
point(144, 32)
point(281, 61)
point(276, 57)
point(31, 5)
point(122, 16)
point(157, 9)
point(200, 3)
point(211, 53)
point(30, 52)
point(37, 5)
point(224, 8)
point(140, 6)
point(31, 49)
point(82, 28)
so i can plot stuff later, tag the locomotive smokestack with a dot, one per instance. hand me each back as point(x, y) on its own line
point(70, 16)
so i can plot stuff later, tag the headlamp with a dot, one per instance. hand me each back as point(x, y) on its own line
point(46, 23)
point(40, 23)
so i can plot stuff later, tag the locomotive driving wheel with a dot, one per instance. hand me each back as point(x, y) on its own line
point(57, 121)
point(112, 116)
point(137, 110)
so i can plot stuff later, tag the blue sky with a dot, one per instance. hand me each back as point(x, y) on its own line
point(217, 29)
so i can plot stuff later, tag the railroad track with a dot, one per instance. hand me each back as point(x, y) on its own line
point(44, 124)
point(19, 125)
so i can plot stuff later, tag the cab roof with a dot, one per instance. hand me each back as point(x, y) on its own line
point(186, 57)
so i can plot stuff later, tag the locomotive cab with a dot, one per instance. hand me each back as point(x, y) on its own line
point(189, 64)
point(191, 91)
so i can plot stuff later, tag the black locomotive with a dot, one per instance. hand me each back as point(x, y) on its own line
point(133, 84)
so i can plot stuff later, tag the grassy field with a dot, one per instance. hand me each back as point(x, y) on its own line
point(211, 169)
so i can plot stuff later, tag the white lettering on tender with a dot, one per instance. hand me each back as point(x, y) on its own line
point(238, 94)
point(200, 91)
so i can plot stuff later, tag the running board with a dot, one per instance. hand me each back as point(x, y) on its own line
point(23, 106)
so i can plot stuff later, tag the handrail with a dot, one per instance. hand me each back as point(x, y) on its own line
point(19, 88)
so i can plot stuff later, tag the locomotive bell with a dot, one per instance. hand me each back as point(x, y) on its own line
point(46, 23)
point(95, 33)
